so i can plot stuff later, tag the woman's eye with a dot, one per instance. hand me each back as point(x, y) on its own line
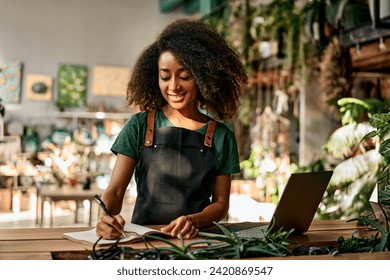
point(165, 78)
point(186, 78)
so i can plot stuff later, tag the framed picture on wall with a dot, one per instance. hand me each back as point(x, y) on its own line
point(11, 81)
point(72, 85)
point(39, 87)
point(110, 80)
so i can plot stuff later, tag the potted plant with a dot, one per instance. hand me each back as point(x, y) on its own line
point(381, 241)
point(381, 123)
point(355, 162)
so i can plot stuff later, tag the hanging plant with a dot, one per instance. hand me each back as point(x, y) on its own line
point(335, 79)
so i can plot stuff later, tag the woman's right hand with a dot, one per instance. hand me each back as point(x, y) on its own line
point(110, 227)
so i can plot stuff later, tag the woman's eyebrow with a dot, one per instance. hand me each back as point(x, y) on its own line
point(178, 70)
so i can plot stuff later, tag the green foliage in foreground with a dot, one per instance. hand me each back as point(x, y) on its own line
point(230, 246)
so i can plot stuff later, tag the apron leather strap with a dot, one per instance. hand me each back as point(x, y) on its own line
point(149, 128)
point(208, 139)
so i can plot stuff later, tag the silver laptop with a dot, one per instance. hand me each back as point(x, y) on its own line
point(295, 210)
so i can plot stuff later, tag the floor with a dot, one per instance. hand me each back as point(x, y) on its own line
point(64, 214)
point(242, 208)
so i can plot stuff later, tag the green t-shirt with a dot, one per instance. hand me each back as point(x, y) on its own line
point(131, 139)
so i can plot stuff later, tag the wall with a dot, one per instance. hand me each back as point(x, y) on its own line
point(45, 33)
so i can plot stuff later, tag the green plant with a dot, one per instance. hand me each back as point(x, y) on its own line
point(356, 163)
point(269, 171)
point(230, 246)
point(227, 246)
point(72, 85)
point(381, 124)
point(384, 232)
point(183, 251)
point(251, 168)
point(356, 245)
point(354, 110)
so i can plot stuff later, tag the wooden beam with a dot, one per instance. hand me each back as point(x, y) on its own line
point(365, 33)
point(371, 56)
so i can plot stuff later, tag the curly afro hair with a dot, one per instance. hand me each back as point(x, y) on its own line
point(216, 68)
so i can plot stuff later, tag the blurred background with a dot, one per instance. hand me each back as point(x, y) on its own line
point(318, 71)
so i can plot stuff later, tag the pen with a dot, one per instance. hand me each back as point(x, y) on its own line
point(103, 206)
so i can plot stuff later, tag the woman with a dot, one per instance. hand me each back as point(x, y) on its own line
point(182, 158)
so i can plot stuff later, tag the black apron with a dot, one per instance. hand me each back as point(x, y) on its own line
point(177, 169)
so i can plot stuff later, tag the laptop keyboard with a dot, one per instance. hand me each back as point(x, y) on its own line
point(256, 232)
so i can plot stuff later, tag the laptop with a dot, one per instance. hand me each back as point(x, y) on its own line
point(296, 208)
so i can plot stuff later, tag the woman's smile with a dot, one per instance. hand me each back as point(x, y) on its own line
point(176, 83)
point(176, 96)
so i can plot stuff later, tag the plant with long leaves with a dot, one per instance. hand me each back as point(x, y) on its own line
point(183, 251)
point(381, 124)
point(384, 232)
point(229, 245)
point(353, 158)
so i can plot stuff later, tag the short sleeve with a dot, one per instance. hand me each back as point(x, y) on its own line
point(131, 137)
point(226, 150)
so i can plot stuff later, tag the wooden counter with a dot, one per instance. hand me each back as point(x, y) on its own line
point(43, 243)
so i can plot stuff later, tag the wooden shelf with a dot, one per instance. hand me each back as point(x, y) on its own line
point(92, 115)
point(371, 56)
point(365, 33)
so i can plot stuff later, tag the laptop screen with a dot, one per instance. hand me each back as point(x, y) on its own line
point(296, 207)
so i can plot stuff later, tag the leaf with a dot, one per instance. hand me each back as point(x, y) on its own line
point(353, 110)
point(371, 222)
point(343, 140)
point(225, 231)
point(382, 245)
point(354, 168)
point(369, 135)
point(378, 120)
point(384, 148)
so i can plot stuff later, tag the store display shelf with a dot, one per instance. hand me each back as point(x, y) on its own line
point(93, 115)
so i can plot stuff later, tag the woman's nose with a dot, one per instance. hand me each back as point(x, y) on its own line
point(174, 85)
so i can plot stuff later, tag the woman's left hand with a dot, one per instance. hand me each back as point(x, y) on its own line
point(183, 225)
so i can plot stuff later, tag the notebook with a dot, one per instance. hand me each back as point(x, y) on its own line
point(295, 210)
point(134, 233)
